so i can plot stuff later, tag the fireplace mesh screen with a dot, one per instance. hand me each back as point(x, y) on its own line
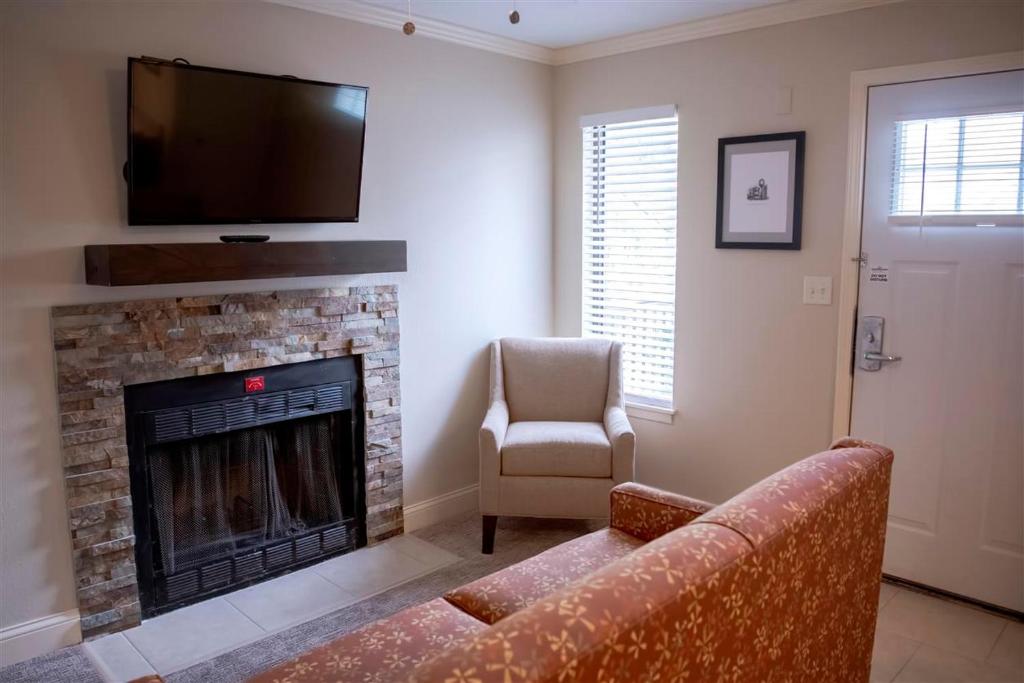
point(216, 495)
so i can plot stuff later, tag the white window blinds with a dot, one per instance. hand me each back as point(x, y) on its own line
point(629, 243)
point(959, 170)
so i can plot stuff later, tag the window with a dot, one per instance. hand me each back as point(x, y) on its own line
point(959, 170)
point(629, 243)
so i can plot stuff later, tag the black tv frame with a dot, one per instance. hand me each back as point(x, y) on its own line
point(239, 220)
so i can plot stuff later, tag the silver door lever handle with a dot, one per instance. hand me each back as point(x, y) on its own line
point(882, 357)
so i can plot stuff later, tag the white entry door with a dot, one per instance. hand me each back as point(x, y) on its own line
point(941, 307)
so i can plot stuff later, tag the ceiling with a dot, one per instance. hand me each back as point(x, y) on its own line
point(566, 31)
point(562, 23)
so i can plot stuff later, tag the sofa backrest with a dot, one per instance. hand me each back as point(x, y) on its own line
point(778, 584)
point(556, 379)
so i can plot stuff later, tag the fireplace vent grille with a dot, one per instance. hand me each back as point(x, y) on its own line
point(173, 424)
point(244, 567)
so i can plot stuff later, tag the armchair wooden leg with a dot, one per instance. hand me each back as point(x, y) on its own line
point(490, 525)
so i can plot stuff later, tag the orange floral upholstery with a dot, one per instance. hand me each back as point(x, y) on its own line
point(625, 622)
point(386, 650)
point(704, 603)
point(647, 512)
point(496, 596)
point(786, 497)
point(779, 584)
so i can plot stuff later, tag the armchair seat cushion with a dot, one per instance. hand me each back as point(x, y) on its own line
point(507, 591)
point(556, 449)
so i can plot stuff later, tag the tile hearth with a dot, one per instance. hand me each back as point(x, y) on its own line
point(102, 348)
point(179, 639)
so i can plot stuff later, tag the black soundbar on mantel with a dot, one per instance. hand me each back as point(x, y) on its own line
point(119, 265)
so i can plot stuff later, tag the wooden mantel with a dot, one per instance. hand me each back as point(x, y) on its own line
point(118, 265)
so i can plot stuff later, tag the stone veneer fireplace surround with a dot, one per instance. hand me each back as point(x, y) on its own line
point(101, 348)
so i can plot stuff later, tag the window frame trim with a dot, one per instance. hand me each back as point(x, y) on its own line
point(652, 413)
point(958, 220)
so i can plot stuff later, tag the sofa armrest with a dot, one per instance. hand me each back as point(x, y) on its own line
point(492, 436)
point(647, 513)
point(623, 440)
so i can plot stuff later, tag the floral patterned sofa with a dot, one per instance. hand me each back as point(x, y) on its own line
point(778, 584)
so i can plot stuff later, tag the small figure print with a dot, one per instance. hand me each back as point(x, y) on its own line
point(758, 192)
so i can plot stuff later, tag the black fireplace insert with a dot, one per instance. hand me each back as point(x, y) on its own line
point(241, 476)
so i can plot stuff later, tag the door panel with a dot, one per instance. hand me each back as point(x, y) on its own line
point(919, 295)
point(1003, 526)
point(952, 408)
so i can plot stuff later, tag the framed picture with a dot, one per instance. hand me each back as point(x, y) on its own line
point(760, 191)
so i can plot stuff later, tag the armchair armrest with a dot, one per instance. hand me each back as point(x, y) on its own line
point(492, 436)
point(492, 431)
point(647, 512)
point(623, 439)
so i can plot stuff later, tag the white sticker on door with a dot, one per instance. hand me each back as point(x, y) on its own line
point(879, 274)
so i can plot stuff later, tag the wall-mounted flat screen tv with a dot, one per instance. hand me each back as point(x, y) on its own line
point(212, 146)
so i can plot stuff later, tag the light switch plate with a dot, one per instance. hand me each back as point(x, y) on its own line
point(818, 290)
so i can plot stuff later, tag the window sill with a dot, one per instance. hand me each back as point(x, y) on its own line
point(652, 413)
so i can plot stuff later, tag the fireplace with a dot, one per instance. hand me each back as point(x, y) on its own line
point(152, 391)
point(238, 477)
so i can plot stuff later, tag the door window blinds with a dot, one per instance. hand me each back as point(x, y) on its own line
point(959, 170)
point(629, 243)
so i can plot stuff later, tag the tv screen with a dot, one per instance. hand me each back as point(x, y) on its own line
point(209, 146)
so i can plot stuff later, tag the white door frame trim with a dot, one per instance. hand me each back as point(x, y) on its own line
point(849, 277)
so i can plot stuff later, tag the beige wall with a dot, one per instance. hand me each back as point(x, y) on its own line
point(458, 162)
point(754, 366)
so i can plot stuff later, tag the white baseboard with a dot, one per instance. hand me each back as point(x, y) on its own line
point(37, 637)
point(434, 510)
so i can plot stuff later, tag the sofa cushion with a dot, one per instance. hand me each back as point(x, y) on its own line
point(556, 449)
point(556, 379)
point(384, 651)
point(507, 591)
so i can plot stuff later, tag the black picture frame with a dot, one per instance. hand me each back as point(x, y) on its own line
point(790, 240)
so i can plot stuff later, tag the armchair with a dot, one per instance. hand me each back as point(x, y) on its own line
point(556, 438)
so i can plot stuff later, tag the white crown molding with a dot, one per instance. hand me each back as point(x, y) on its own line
point(759, 17)
point(425, 27)
point(771, 15)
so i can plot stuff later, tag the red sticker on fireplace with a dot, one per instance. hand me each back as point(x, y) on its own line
point(253, 384)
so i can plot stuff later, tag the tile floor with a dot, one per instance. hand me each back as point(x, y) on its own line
point(179, 639)
point(921, 639)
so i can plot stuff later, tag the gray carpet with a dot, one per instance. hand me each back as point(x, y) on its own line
point(69, 664)
point(517, 540)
